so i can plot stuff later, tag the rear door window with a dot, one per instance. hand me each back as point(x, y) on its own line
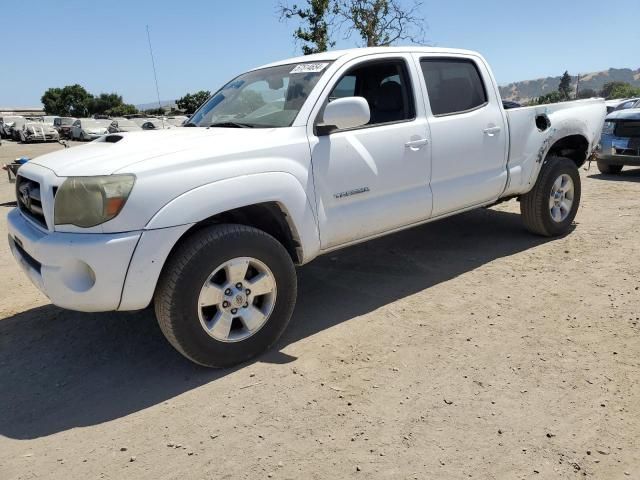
point(454, 85)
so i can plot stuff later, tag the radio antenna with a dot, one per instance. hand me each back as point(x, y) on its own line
point(155, 75)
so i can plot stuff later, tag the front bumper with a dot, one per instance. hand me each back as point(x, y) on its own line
point(619, 150)
point(40, 138)
point(612, 159)
point(84, 272)
point(92, 272)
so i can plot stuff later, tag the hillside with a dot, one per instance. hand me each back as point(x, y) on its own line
point(528, 89)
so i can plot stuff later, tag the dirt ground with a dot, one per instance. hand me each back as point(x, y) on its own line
point(467, 348)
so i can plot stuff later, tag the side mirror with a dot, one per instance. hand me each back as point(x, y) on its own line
point(349, 112)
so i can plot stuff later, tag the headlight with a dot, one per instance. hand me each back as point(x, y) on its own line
point(608, 128)
point(89, 201)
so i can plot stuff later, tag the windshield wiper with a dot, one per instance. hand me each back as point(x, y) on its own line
point(232, 125)
point(190, 124)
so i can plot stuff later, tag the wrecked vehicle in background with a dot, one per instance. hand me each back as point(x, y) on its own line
point(620, 141)
point(63, 126)
point(157, 124)
point(6, 123)
point(85, 129)
point(38, 132)
point(16, 129)
point(119, 125)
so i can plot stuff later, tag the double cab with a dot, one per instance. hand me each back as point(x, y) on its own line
point(282, 164)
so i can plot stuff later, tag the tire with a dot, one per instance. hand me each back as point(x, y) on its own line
point(536, 205)
point(607, 168)
point(190, 328)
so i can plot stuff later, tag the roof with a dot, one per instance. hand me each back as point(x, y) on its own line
point(333, 55)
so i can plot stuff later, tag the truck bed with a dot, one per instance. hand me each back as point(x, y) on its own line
point(534, 130)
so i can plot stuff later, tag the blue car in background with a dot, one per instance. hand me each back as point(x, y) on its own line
point(620, 141)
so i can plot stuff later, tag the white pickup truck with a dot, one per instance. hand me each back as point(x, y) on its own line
point(284, 163)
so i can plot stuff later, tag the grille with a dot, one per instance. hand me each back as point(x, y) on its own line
point(29, 200)
point(627, 129)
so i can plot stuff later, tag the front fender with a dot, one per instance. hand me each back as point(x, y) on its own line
point(208, 200)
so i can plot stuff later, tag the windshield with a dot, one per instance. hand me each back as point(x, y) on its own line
point(269, 97)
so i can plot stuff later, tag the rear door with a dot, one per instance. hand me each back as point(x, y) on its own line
point(468, 132)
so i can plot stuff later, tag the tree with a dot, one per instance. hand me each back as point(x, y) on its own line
point(553, 97)
point(619, 90)
point(382, 22)
point(104, 102)
point(607, 88)
point(191, 102)
point(565, 86)
point(122, 110)
point(69, 101)
point(52, 101)
point(316, 15)
point(155, 111)
point(587, 93)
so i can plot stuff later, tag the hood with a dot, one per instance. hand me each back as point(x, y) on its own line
point(628, 114)
point(120, 151)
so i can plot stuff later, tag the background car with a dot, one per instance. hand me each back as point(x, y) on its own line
point(620, 104)
point(5, 125)
point(63, 126)
point(123, 125)
point(620, 140)
point(16, 128)
point(631, 103)
point(177, 121)
point(85, 129)
point(156, 124)
point(508, 104)
point(49, 119)
point(39, 132)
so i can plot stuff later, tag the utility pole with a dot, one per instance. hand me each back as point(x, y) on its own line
point(577, 86)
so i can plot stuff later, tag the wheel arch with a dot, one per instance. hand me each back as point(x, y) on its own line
point(283, 211)
point(574, 147)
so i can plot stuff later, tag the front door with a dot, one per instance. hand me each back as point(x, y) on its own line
point(373, 178)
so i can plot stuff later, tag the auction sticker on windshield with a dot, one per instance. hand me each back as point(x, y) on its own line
point(309, 68)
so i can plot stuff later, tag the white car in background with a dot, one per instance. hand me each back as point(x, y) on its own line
point(6, 123)
point(157, 124)
point(39, 132)
point(85, 129)
point(119, 125)
point(177, 121)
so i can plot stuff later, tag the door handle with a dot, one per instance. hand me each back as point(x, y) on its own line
point(491, 131)
point(415, 144)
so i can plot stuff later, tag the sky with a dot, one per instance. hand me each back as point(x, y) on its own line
point(199, 45)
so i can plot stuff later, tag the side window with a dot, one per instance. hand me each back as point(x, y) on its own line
point(453, 85)
point(386, 87)
point(76, 124)
point(346, 87)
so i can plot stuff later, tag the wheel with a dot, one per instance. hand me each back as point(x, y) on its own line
point(225, 295)
point(611, 169)
point(550, 207)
